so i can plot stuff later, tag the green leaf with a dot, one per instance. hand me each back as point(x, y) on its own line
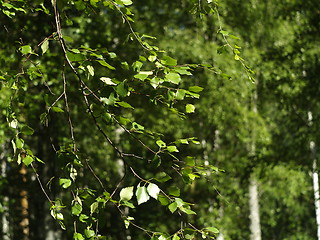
point(163, 200)
point(126, 193)
point(121, 89)
point(83, 218)
point(195, 89)
point(75, 50)
point(152, 58)
point(182, 141)
point(107, 81)
point(162, 177)
point(128, 204)
point(190, 161)
point(188, 211)
point(225, 33)
point(57, 109)
point(173, 77)
point(190, 108)
point(142, 195)
point(89, 233)
point(65, 182)
point(156, 161)
point(183, 70)
point(75, 57)
point(193, 176)
point(173, 207)
point(166, 60)
point(14, 147)
point(68, 38)
point(27, 130)
point(180, 94)
point(45, 46)
point(19, 143)
point(105, 64)
point(153, 190)
point(212, 229)
point(179, 202)
point(141, 76)
point(76, 209)
point(78, 236)
point(13, 123)
point(175, 237)
point(90, 70)
point(162, 237)
point(161, 143)
point(174, 191)
point(126, 2)
point(125, 105)
point(94, 207)
point(27, 160)
point(25, 49)
point(189, 236)
point(233, 36)
point(172, 149)
point(108, 101)
point(137, 127)
point(137, 66)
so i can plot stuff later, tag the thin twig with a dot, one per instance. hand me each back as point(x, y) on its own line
point(68, 110)
point(93, 173)
point(41, 185)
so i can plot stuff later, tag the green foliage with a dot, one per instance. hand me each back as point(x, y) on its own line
point(73, 95)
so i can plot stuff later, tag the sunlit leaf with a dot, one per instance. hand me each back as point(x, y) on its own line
point(190, 108)
point(65, 182)
point(126, 2)
point(212, 229)
point(153, 190)
point(142, 195)
point(19, 143)
point(76, 209)
point(25, 49)
point(57, 109)
point(173, 77)
point(125, 105)
point(89, 233)
point(90, 70)
point(195, 89)
point(45, 46)
point(27, 160)
point(78, 236)
point(172, 149)
point(126, 193)
point(166, 60)
point(173, 207)
point(107, 81)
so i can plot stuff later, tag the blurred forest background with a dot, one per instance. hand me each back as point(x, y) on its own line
point(259, 136)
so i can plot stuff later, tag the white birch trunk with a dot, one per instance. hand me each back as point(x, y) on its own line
point(254, 209)
point(255, 227)
point(5, 222)
point(315, 178)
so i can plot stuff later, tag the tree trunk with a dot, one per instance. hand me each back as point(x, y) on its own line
point(24, 204)
point(5, 235)
point(315, 178)
point(255, 227)
point(254, 209)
